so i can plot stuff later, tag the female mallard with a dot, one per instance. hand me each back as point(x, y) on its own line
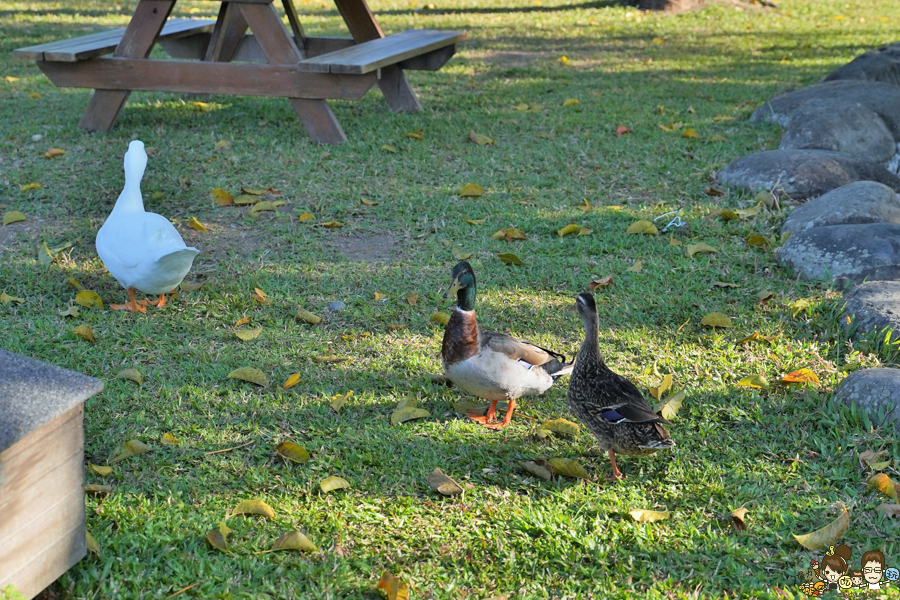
point(492, 365)
point(610, 405)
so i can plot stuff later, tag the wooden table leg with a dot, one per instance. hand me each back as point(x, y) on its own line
point(148, 20)
point(230, 28)
point(279, 48)
point(363, 27)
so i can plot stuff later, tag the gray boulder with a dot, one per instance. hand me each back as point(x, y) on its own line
point(803, 174)
point(874, 305)
point(880, 98)
point(874, 391)
point(881, 64)
point(823, 124)
point(854, 203)
point(856, 252)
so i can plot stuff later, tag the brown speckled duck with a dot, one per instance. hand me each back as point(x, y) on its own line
point(608, 404)
point(492, 365)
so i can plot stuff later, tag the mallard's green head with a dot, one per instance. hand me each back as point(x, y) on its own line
point(463, 285)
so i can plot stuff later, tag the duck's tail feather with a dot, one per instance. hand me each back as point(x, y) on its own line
point(556, 368)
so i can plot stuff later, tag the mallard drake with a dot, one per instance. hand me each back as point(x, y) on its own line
point(492, 365)
point(608, 404)
point(142, 250)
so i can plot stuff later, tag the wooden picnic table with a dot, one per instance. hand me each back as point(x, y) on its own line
point(267, 60)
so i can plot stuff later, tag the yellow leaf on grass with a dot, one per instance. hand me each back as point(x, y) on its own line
point(699, 248)
point(85, 332)
point(883, 484)
point(338, 400)
point(293, 540)
point(481, 140)
point(394, 587)
point(716, 319)
point(538, 468)
point(12, 79)
point(260, 207)
point(195, 224)
point(568, 467)
point(292, 452)
point(96, 488)
point(584, 230)
point(74, 283)
point(6, 299)
point(72, 311)
point(822, 539)
point(510, 259)
point(367, 202)
point(648, 516)
point(725, 284)
point(643, 226)
point(408, 413)
point(242, 321)
point(602, 282)
point(757, 241)
point(461, 254)
point(259, 295)
point(668, 407)
point(88, 299)
point(637, 267)
point(30, 186)
point(127, 450)
point(764, 296)
point(331, 358)
point(726, 214)
point(874, 460)
point(379, 296)
point(167, 439)
point(250, 375)
point(798, 306)
point(750, 212)
point(292, 381)
point(13, 216)
point(474, 221)
point(571, 102)
point(443, 483)
point(690, 134)
point(91, 543)
point(440, 318)
point(522, 107)
point(329, 484)
point(560, 427)
point(332, 224)
point(800, 376)
point(754, 381)
point(253, 507)
point(103, 471)
point(673, 241)
point(416, 135)
point(471, 190)
point(217, 540)
point(514, 234)
point(248, 334)
point(568, 229)
point(305, 315)
point(221, 197)
point(665, 384)
point(188, 286)
point(54, 152)
point(585, 205)
point(389, 148)
point(412, 299)
point(720, 118)
point(247, 200)
point(738, 516)
point(132, 374)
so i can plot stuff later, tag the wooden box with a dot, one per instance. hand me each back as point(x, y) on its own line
point(41, 471)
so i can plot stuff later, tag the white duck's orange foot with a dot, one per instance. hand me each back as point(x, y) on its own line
point(133, 304)
point(159, 302)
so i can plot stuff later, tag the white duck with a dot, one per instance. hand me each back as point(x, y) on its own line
point(142, 250)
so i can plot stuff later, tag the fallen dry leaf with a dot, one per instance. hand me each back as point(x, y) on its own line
point(72, 311)
point(332, 224)
point(800, 376)
point(127, 450)
point(292, 452)
point(221, 197)
point(822, 539)
point(716, 319)
point(367, 202)
point(585, 205)
point(641, 515)
point(440, 318)
point(54, 152)
point(888, 510)
point(738, 519)
point(195, 224)
point(798, 306)
point(764, 296)
point(690, 134)
point(338, 400)
point(481, 140)
point(291, 381)
point(91, 543)
point(412, 299)
point(443, 483)
point(249, 374)
point(699, 248)
point(509, 258)
point(167, 439)
point(560, 427)
point(248, 334)
point(757, 241)
point(538, 468)
point(725, 284)
point(13, 216)
point(242, 321)
point(6, 299)
point(875, 460)
point(602, 282)
point(253, 507)
point(668, 407)
point(622, 130)
point(332, 358)
point(471, 190)
point(304, 315)
point(293, 540)
point(259, 295)
point(461, 254)
point(474, 221)
point(643, 226)
point(389, 148)
point(246, 200)
point(329, 484)
point(85, 332)
point(394, 587)
point(754, 381)
point(416, 135)
point(96, 488)
point(884, 484)
point(568, 467)
point(637, 267)
point(88, 299)
point(665, 384)
point(132, 374)
point(103, 471)
point(568, 229)
point(218, 538)
point(571, 102)
point(305, 217)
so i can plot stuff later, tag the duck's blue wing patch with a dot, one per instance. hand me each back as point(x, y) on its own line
point(612, 416)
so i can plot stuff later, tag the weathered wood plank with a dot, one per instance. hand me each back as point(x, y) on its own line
point(359, 19)
point(226, 35)
point(34, 558)
point(31, 458)
point(206, 78)
point(376, 54)
point(249, 50)
point(431, 61)
point(105, 42)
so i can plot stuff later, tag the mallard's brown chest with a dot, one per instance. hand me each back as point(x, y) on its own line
point(460, 337)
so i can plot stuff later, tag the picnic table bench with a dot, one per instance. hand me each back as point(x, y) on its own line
point(269, 60)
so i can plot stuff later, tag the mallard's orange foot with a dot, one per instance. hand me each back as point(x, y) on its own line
point(615, 477)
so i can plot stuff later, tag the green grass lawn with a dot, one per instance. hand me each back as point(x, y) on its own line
point(789, 456)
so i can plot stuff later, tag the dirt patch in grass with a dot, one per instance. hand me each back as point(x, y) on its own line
point(31, 232)
point(513, 58)
point(376, 247)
